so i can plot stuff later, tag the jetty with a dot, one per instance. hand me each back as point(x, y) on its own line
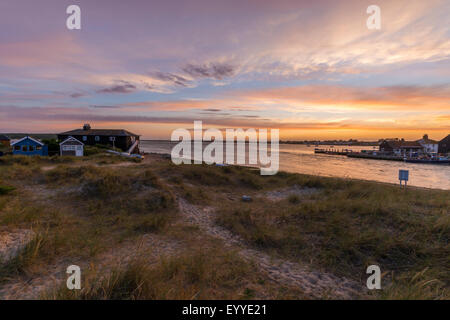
point(364, 155)
point(380, 155)
point(332, 151)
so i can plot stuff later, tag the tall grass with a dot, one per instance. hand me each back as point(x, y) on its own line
point(26, 257)
point(190, 276)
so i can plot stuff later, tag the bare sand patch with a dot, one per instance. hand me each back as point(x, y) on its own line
point(281, 194)
point(12, 241)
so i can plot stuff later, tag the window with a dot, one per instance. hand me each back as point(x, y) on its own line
point(97, 138)
point(38, 147)
point(84, 138)
point(25, 148)
point(17, 148)
point(31, 148)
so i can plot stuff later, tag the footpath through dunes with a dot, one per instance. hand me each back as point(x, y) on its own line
point(313, 283)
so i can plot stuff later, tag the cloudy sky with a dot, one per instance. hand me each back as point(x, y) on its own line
point(310, 68)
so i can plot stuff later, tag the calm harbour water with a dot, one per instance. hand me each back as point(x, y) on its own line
point(301, 159)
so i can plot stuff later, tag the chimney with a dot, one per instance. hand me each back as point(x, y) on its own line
point(86, 127)
point(425, 137)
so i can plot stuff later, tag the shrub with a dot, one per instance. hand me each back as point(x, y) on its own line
point(5, 190)
point(294, 199)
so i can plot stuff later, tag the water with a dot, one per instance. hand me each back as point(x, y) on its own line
point(301, 159)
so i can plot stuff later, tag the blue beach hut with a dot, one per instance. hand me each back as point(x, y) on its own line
point(29, 147)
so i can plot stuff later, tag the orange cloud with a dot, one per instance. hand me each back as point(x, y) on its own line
point(381, 98)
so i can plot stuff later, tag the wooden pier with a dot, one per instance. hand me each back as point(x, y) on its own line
point(332, 151)
point(349, 153)
point(374, 156)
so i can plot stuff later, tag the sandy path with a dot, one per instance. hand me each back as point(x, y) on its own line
point(316, 284)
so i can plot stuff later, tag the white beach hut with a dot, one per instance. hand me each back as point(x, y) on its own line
point(71, 147)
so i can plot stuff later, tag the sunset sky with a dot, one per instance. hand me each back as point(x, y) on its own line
point(310, 68)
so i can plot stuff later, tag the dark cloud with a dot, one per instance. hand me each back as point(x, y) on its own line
point(217, 71)
point(224, 114)
point(77, 95)
point(123, 87)
point(211, 110)
point(149, 86)
point(170, 77)
point(104, 107)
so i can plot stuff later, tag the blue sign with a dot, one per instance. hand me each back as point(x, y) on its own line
point(403, 175)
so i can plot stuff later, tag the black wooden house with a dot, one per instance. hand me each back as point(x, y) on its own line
point(444, 145)
point(118, 138)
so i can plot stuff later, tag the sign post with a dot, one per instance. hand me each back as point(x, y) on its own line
point(403, 175)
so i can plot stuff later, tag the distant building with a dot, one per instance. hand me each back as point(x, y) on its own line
point(429, 146)
point(118, 138)
point(29, 147)
point(71, 147)
point(4, 140)
point(444, 145)
point(401, 147)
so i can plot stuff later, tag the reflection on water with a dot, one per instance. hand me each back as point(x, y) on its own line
point(301, 159)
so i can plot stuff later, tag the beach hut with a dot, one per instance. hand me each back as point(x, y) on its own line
point(29, 147)
point(71, 147)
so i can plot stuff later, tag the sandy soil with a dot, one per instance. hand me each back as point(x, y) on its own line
point(277, 195)
point(12, 241)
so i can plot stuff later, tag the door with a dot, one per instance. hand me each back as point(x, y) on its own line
point(68, 153)
point(79, 151)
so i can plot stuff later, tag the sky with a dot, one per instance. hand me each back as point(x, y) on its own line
point(309, 68)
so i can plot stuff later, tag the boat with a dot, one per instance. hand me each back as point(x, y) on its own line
point(374, 156)
point(429, 161)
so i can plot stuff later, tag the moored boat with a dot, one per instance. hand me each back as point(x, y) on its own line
point(429, 161)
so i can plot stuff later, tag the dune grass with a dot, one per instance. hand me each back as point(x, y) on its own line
point(186, 277)
point(26, 257)
point(78, 210)
point(348, 225)
point(82, 207)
